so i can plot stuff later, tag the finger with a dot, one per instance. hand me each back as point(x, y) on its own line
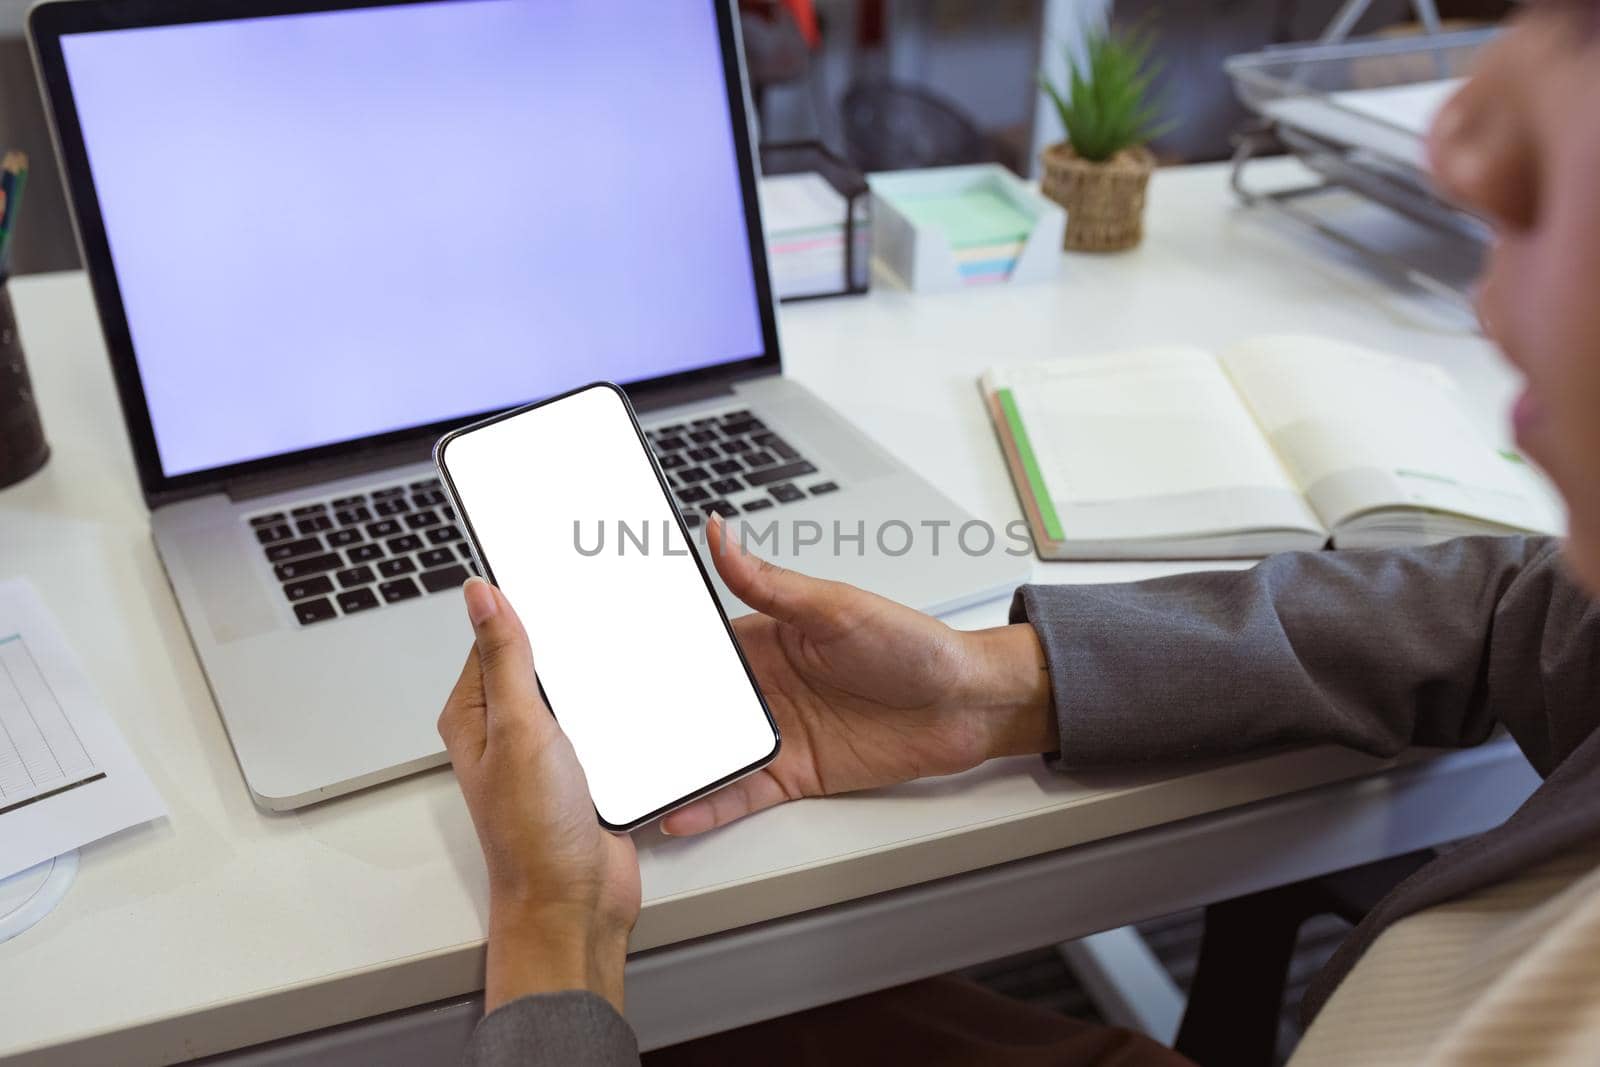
point(744, 797)
point(510, 689)
point(461, 723)
point(815, 606)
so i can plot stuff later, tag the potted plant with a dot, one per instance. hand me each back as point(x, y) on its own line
point(1100, 172)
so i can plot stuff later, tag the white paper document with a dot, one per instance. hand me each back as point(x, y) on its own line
point(67, 776)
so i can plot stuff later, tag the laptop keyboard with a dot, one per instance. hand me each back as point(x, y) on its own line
point(732, 464)
point(362, 551)
point(358, 552)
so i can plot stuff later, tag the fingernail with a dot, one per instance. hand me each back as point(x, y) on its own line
point(480, 598)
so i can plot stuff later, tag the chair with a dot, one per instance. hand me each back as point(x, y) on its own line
point(891, 126)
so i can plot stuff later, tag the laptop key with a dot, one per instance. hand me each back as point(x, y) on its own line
point(673, 462)
point(726, 486)
point(351, 516)
point(316, 585)
point(394, 568)
point(465, 550)
point(365, 553)
point(290, 549)
point(444, 578)
point(355, 576)
point(272, 519)
point(383, 528)
point(268, 534)
point(721, 507)
point(671, 444)
point(737, 445)
point(692, 475)
point(353, 501)
point(443, 535)
point(786, 494)
point(385, 494)
point(759, 504)
point(399, 589)
point(727, 466)
point(758, 459)
point(768, 475)
point(774, 443)
point(448, 512)
point(358, 600)
point(691, 519)
point(296, 569)
point(743, 426)
point(676, 427)
point(693, 495)
point(427, 498)
point(392, 506)
point(315, 524)
point(424, 485)
point(399, 546)
point(824, 487)
point(341, 538)
point(704, 455)
point(436, 557)
point(418, 519)
point(309, 510)
point(703, 437)
point(310, 611)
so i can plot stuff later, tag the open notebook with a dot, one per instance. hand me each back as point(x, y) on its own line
point(1278, 443)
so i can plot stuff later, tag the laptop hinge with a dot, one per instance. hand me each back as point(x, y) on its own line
point(303, 474)
point(659, 397)
point(328, 470)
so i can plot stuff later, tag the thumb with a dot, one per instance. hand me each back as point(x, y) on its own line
point(510, 688)
point(810, 604)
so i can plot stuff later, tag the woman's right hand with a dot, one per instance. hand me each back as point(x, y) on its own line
point(868, 692)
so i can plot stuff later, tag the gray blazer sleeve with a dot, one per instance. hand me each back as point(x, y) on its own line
point(1373, 650)
point(571, 1029)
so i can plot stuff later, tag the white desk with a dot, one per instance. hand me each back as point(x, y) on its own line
point(224, 927)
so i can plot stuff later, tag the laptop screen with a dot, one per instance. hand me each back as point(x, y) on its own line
point(335, 225)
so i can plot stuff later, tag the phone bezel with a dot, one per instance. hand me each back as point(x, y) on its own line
point(441, 463)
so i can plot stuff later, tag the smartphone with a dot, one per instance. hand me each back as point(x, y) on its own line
point(571, 517)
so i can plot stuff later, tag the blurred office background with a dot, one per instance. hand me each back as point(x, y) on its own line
point(889, 83)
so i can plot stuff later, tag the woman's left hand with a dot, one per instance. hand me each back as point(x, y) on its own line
point(563, 892)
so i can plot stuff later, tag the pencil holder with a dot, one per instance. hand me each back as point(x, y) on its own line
point(22, 445)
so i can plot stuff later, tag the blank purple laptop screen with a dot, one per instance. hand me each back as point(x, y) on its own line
point(334, 225)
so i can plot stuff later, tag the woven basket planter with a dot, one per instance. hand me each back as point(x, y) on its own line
point(1104, 201)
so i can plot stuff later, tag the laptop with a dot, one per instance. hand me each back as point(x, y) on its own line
point(320, 234)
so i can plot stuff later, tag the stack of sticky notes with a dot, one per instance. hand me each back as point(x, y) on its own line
point(804, 218)
point(985, 228)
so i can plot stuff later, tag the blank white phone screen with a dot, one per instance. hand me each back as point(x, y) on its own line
point(628, 642)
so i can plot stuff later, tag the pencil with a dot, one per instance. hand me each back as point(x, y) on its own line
point(13, 177)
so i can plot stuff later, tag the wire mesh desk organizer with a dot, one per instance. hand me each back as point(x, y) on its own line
point(1356, 114)
point(816, 213)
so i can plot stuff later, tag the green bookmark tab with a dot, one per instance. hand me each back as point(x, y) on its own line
point(1030, 465)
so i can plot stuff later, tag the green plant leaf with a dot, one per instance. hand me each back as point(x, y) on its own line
point(1106, 103)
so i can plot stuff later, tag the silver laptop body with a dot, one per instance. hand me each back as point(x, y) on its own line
point(318, 583)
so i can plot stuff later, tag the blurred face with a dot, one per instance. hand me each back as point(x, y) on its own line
point(1520, 144)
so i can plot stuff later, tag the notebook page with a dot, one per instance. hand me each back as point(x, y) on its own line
point(1359, 430)
point(1150, 444)
point(67, 777)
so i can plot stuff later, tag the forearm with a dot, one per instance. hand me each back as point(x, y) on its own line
point(1371, 650)
point(533, 951)
point(1008, 689)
